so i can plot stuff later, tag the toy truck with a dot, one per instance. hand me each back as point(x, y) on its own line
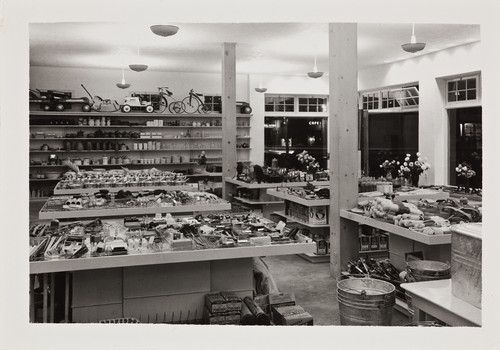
point(135, 102)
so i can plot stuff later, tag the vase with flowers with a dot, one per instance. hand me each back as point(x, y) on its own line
point(412, 167)
point(465, 170)
point(309, 163)
point(389, 168)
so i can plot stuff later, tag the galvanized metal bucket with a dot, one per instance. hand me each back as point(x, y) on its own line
point(365, 302)
point(427, 270)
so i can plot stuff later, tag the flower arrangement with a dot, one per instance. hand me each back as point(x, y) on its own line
point(465, 169)
point(389, 167)
point(411, 169)
point(308, 161)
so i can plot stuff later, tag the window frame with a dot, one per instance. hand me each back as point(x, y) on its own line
point(466, 102)
point(296, 105)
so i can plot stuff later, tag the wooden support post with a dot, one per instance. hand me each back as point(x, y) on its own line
point(66, 297)
point(229, 155)
point(32, 298)
point(44, 305)
point(343, 128)
point(52, 289)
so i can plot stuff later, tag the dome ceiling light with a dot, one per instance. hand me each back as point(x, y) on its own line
point(164, 29)
point(413, 46)
point(260, 88)
point(315, 74)
point(123, 84)
point(136, 66)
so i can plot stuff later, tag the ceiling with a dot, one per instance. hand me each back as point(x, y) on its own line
point(261, 48)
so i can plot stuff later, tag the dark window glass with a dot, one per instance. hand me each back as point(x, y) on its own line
point(452, 97)
point(471, 94)
point(208, 99)
point(280, 108)
point(288, 108)
point(269, 108)
point(461, 96)
point(461, 84)
point(471, 83)
point(302, 100)
point(313, 108)
point(217, 99)
point(452, 86)
point(302, 108)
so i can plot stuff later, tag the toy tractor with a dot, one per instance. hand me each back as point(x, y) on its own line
point(135, 102)
point(52, 100)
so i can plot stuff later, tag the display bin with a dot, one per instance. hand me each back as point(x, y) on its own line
point(466, 255)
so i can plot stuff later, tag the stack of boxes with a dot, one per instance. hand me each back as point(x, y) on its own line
point(372, 240)
point(283, 309)
point(222, 308)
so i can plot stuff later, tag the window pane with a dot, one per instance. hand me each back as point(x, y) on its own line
point(452, 86)
point(288, 100)
point(208, 99)
point(288, 108)
point(471, 94)
point(280, 108)
point(302, 108)
point(461, 84)
point(451, 97)
point(322, 107)
point(302, 100)
point(375, 105)
point(471, 83)
point(313, 108)
point(461, 96)
point(269, 108)
point(384, 103)
point(322, 101)
point(217, 99)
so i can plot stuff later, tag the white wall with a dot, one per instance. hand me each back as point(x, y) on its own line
point(433, 122)
point(102, 82)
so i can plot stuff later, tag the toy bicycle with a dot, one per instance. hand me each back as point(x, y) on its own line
point(161, 104)
point(193, 104)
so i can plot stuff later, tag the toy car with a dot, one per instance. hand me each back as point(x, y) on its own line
point(52, 100)
point(136, 103)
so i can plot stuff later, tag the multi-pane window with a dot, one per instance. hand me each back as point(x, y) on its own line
point(214, 102)
point(280, 104)
point(312, 104)
point(370, 100)
point(463, 89)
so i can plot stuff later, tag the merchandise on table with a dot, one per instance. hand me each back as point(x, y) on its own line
point(152, 235)
point(291, 315)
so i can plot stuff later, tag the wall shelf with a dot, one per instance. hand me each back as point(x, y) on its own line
point(132, 114)
point(64, 191)
point(273, 185)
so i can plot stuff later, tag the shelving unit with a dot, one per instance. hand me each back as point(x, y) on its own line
point(181, 138)
point(65, 191)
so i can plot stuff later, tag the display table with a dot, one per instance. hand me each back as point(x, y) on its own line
point(435, 298)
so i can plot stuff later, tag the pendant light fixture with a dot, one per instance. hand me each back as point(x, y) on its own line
point(123, 84)
point(138, 67)
point(315, 74)
point(164, 29)
point(260, 88)
point(413, 46)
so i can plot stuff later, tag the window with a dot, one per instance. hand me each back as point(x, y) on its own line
point(214, 102)
point(370, 100)
point(402, 97)
point(313, 104)
point(462, 89)
point(280, 104)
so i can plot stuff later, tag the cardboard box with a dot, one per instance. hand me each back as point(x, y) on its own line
point(374, 243)
point(364, 242)
point(282, 299)
point(233, 302)
point(213, 318)
point(291, 315)
point(215, 303)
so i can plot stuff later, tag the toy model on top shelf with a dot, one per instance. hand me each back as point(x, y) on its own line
point(135, 102)
point(52, 100)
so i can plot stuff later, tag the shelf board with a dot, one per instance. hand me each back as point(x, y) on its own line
point(44, 180)
point(296, 199)
point(256, 201)
point(273, 185)
point(39, 199)
point(113, 165)
point(373, 251)
point(315, 258)
point(170, 257)
point(103, 212)
point(397, 230)
point(132, 138)
point(60, 191)
point(129, 150)
point(282, 214)
point(131, 114)
point(206, 175)
point(126, 126)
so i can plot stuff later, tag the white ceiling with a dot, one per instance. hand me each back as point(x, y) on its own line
point(280, 48)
